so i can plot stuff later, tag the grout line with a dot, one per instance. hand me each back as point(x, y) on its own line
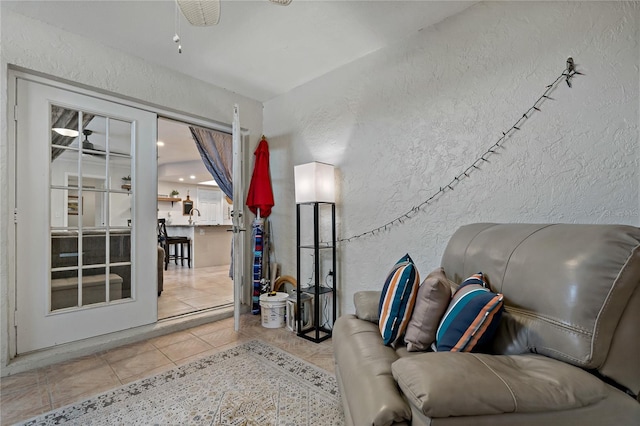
point(46, 385)
point(114, 371)
point(203, 341)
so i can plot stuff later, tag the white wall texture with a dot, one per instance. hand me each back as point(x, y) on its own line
point(402, 122)
point(42, 48)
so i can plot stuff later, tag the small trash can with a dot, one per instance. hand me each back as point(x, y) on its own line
point(272, 309)
point(306, 313)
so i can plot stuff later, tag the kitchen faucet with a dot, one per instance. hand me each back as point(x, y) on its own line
point(191, 215)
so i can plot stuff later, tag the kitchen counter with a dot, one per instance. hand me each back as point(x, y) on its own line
point(195, 225)
point(210, 244)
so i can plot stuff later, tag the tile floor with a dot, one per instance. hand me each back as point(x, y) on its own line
point(34, 392)
point(193, 289)
point(185, 290)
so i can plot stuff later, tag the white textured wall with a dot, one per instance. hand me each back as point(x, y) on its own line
point(35, 46)
point(403, 121)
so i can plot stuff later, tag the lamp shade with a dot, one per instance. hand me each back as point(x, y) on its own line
point(315, 183)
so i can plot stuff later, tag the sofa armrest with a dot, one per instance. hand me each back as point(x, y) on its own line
point(363, 367)
point(367, 303)
point(160, 268)
point(493, 384)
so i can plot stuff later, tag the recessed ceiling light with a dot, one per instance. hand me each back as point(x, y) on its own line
point(181, 179)
point(65, 132)
point(160, 143)
point(192, 177)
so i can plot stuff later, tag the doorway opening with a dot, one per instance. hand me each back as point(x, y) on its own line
point(83, 189)
point(195, 215)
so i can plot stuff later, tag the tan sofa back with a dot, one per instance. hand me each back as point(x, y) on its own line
point(571, 291)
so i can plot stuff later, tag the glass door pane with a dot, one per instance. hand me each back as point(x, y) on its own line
point(91, 209)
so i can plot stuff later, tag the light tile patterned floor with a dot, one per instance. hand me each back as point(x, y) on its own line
point(31, 393)
point(193, 289)
point(185, 290)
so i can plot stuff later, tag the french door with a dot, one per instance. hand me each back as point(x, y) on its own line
point(86, 180)
point(237, 218)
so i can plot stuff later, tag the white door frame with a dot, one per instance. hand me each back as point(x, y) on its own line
point(12, 76)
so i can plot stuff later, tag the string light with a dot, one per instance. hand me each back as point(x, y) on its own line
point(568, 73)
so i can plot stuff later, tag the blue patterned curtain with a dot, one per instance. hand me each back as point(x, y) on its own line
point(216, 150)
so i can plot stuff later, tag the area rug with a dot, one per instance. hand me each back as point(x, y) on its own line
point(251, 384)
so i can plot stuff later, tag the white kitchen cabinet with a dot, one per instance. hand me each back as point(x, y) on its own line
point(227, 208)
point(209, 204)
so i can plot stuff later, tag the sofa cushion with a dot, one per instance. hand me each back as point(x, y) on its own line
point(472, 317)
point(432, 301)
point(493, 384)
point(397, 299)
point(367, 304)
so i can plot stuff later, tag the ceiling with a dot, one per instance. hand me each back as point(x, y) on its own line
point(259, 49)
point(178, 156)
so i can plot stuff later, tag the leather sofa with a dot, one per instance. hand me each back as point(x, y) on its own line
point(64, 283)
point(64, 261)
point(566, 352)
point(160, 270)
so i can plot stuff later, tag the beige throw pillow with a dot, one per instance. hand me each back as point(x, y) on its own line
point(433, 299)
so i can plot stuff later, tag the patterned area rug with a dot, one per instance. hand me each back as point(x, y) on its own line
point(252, 384)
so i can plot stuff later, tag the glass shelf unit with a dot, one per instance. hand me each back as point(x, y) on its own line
point(323, 293)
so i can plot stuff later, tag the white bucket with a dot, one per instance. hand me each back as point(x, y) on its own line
point(272, 308)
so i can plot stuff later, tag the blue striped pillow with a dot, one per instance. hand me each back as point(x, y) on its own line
point(397, 299)
point(472, 317)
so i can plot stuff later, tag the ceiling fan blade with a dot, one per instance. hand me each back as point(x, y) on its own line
point(200, 13)
point(89, 147)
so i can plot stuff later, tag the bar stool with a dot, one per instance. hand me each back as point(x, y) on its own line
point(177, 242)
